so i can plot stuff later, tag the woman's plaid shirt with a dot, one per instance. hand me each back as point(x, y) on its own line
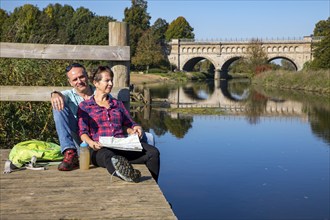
point(96, 121)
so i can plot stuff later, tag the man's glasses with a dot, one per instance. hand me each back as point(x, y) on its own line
point(68, 68)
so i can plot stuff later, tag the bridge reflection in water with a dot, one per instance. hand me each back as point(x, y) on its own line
point(223, 99)
point(184, 97)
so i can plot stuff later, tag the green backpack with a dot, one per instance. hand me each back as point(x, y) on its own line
point(43, 151)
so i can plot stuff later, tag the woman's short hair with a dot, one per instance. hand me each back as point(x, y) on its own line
point(97, 73)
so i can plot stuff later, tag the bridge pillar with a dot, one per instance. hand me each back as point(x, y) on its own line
point(217, 74)
point(217, 83)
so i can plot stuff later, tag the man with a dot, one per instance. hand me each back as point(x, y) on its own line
point(65, 107)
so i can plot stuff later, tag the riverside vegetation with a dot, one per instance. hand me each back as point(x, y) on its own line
point(311, 81)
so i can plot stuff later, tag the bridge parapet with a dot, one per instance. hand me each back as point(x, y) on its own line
point(246, 40)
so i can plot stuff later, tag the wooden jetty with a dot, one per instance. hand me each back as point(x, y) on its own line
point(92, 194)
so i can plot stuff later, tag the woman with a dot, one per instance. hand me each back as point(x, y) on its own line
point(103, 115)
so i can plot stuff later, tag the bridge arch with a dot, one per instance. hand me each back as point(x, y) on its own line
point(228, 62)
point(188, 65)
point(225, 66)
point(291, 60)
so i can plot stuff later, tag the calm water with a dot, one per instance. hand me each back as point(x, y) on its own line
point(243, 166)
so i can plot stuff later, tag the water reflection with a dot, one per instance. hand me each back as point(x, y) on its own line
point(236, 90)
point(237, 98)
point(320, 123)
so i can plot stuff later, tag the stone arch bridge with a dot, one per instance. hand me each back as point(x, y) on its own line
point(185, 54)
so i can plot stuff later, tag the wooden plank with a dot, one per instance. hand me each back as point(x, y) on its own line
point(52, 194)
point(64, 52)
point(42, 93)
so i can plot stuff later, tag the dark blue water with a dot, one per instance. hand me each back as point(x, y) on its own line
point(255, 164)
point(227, 168)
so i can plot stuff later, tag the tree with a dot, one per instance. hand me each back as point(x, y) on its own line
point(287, 65)
point(149, 52)
point(55, 23)
point(321, 49)
point(179, 28)
point(22, 25)
point(97, 32)
point(238, 66)
point(3, 17)
point(158, 31)
point(206, 66)
point(159, 28)
point(322, 28)
point(139, 21)
point(256, 57)
point(78, 25)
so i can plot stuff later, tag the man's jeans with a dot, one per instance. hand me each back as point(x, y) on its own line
point(66, 127)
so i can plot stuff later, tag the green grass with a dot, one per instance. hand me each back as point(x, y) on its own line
point(197, 111)
point(314, 81)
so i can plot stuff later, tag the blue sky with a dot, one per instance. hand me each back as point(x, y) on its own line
point(217, 19)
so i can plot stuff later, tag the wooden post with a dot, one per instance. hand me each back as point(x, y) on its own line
point(147, 100)
point(119, 36)
point(147, 96)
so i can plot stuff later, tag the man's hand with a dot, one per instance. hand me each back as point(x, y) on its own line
point(57, 101)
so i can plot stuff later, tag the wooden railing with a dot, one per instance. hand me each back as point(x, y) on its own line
point(117, 53)
point(64, 52)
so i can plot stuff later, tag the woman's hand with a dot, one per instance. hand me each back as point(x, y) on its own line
point(129, 131)
point(57, 101)
point(92, 144)
point(138, 130)
point(95, 145)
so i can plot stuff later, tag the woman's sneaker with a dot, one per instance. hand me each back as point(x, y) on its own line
point(124, 169)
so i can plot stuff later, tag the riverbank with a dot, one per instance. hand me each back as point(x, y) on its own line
point(310, 81)
point(140, 79)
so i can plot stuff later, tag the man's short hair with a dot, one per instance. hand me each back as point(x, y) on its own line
point(68, 68)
